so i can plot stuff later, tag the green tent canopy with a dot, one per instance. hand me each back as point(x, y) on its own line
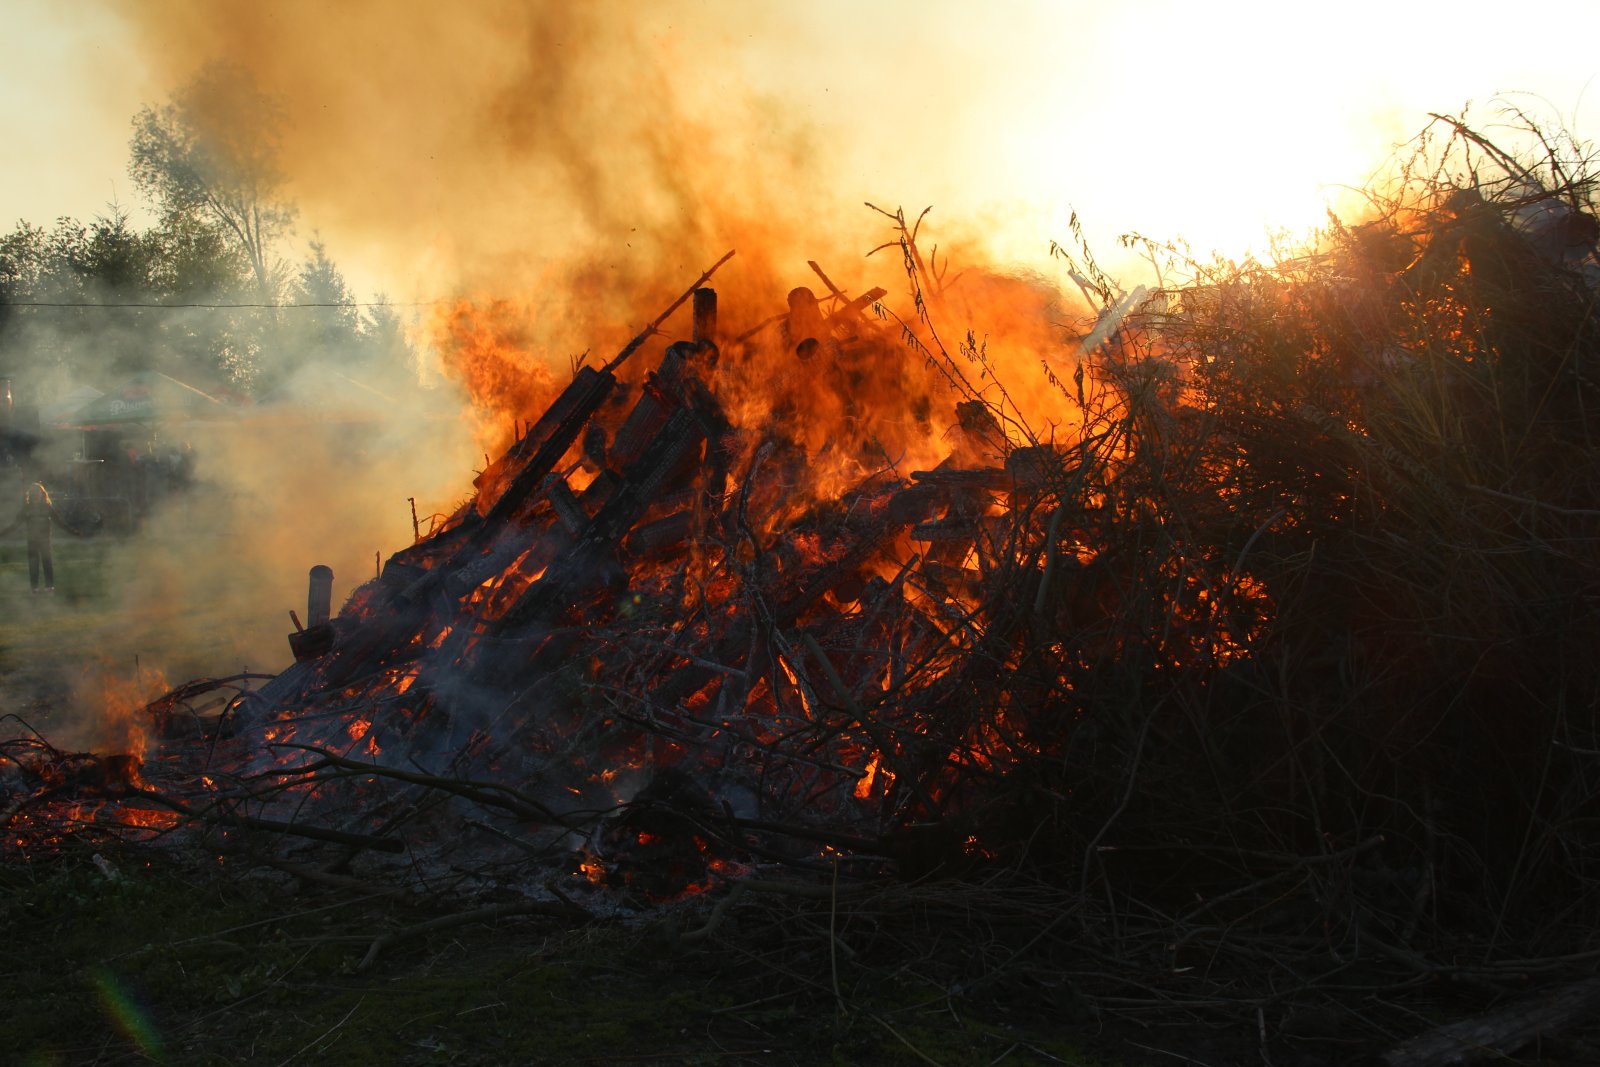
point(149, 396)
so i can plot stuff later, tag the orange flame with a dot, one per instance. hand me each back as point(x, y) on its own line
point(486, 347)
point(116, 703)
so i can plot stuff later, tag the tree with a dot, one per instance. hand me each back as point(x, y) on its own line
point(83, 303)
point(383, 336)
point(111, 261)
point(197, 262)
point(331, 313)
point(21, 264)
point(211, 153)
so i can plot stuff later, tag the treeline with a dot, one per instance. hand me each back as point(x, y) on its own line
point(205, 293)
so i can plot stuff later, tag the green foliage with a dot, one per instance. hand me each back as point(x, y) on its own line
point(211, 153)
point(84, 301)
point(195, 262)
point(96, 302)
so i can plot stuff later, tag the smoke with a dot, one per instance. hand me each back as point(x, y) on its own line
point(472, 148)
point(321, 477)
point(205, 585)
point(530, 183)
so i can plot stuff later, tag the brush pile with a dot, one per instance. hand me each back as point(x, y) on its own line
point(1269, 680)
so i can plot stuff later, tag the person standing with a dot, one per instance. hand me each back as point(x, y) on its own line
point(36, 518)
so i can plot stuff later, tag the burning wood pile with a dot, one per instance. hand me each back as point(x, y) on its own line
point(663, 640)
point(1277, 651)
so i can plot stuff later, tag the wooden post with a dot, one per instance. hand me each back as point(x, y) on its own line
point(319, 598)
point(318, 636)
point(705, 316)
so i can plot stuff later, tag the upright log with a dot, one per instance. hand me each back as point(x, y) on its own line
point(319, 595)
point(317, 638)
point(705, 316)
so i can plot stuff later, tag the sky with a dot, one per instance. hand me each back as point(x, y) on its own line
point(1209, 122)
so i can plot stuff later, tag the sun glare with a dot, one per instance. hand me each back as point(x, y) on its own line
point(1180, 124)
point(1206, 133)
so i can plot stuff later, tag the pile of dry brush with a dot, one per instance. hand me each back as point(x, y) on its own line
point(1369, 477)
point(1277, 681)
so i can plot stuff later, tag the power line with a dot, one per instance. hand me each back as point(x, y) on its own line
point(219, 307)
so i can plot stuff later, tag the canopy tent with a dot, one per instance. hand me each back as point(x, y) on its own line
point(63, 412)
point(147, 397)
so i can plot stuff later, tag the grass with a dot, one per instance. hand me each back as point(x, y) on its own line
point(109, 623)
point(123, 954)
point(136, 956)
point(47, 639)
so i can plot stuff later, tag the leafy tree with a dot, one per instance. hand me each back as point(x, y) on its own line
point(322, 323)
point(84, 303)
point(197, 262)
point(90, 302)
point(22, 253)
point(108, 259)
point(80, 280)
point(211, 153)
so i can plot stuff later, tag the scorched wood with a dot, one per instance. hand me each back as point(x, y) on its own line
point(590, 560)
point(705, 317)
point(563, 422)
point(660, 536)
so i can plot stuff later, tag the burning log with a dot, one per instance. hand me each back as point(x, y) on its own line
point(644, 422)
point(578, 403)
point(500, 643)
point(1034, 466)
point(566, 505)
point(660, 536)
point(562, 424)
point(962, 529)
point(579, 570)
point(704, 330)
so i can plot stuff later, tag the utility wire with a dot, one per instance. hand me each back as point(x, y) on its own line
point(278, 307)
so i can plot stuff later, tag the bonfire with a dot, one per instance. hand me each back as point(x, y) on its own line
point(1270, 668)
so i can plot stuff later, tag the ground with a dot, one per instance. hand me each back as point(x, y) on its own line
point(120, 954)
point(132, 960)
point(124, 954)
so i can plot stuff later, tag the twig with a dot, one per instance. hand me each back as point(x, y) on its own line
point(1298, 865)
point(487, 914)
point(323, 1036)
point(1554, 509)
point(718, 915)
point(250, 822)
point(1122, 805)
point(898, 1036)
